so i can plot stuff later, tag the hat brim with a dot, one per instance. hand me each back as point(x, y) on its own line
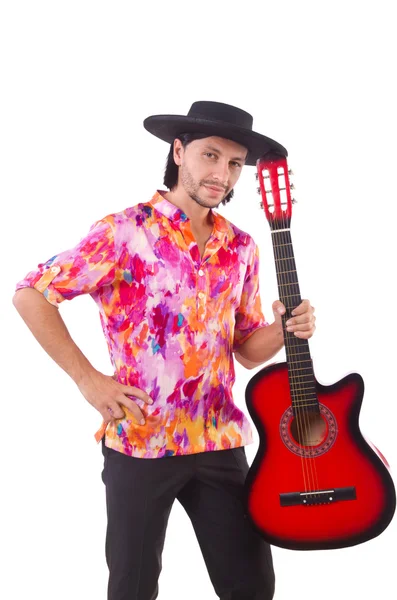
point(168, 127)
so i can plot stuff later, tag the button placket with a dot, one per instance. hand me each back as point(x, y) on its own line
point(201, 294)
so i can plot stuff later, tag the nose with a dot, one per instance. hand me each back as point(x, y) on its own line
point(221, 173)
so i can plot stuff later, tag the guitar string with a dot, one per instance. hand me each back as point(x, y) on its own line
point(292, 343)
point(279, 256)
point(297, 343)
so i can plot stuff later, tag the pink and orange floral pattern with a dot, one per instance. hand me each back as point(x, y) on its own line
point(171, 318)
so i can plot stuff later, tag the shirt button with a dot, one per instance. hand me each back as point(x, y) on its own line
point(54, 269)
point(201, 295)
point(201, 272)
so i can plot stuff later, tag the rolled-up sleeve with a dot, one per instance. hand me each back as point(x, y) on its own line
point(83, 269)
point(249, 316)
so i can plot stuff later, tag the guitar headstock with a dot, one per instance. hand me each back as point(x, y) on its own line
point(275, 189)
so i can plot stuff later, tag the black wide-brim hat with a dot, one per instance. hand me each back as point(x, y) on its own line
point(216, 119)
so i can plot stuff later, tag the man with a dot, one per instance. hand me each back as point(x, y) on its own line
point(177, 288)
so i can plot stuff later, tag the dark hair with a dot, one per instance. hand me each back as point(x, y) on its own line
point(171, 168)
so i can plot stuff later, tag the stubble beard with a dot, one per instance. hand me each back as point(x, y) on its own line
point(192, 189)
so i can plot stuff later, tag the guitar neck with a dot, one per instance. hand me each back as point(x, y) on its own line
point(300, 366)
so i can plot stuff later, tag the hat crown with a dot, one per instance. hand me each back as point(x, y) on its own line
point(217, 111)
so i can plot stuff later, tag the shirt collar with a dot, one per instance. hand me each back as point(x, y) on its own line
point(175, 214)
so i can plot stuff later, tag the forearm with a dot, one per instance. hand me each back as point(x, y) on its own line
point(262, 345)
point(49, 329)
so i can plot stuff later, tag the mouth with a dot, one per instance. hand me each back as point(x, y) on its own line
point(214, 189)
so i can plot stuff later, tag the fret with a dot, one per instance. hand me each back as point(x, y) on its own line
point(283, 283)
point(281, 245)
point(291, 268)
point(293, 371)
point(287, 258)
point(302, 395)
point(290, 307)
point(304, 405)
point(301, 389)
point(291, 296)
point(295, 362)
point(309, 396)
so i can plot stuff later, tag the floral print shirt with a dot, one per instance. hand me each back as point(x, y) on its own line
point(171, 318)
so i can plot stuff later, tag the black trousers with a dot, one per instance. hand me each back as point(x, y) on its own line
point(139, 496)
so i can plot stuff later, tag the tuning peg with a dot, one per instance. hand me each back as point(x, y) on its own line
point(261, 204)
point(256, 175)
point(258, 190)
point(292, 187)
point(294, 201)
point(290, 172)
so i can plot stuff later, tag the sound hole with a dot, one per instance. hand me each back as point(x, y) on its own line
point(309, 429)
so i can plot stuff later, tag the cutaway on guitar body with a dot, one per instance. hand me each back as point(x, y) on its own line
point(333, 493)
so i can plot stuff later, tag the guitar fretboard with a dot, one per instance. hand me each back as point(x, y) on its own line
point(300, 366)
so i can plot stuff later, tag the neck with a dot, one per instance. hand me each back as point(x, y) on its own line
point(300, 366)
point(199, 216)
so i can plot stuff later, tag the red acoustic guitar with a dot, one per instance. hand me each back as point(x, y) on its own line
point(315, 482)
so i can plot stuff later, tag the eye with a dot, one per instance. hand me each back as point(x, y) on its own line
point(236, 164)
point(209, 154)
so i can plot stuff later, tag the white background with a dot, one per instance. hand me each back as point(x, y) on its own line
point(78, 78)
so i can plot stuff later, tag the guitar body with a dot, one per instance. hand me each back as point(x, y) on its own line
point(315, 482)
point(342, 460)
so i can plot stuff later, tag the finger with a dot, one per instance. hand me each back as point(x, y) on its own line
point(129, 390)
point(133, 408)
point(305, 318)
point(304, 334)
point(303, 307)
point(301, 327)
point(308, 332)
point(111, 414)
point(278, 307)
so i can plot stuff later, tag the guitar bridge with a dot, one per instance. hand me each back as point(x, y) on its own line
point(318, 497)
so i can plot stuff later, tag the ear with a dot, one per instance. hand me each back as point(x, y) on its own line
point(178, 152)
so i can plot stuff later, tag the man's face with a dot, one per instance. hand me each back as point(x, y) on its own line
point(209, 168)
